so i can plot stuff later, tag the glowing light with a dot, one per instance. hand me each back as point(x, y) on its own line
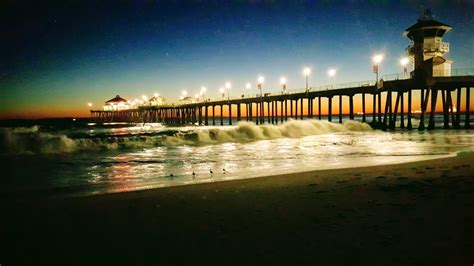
point(136, 100)
point(203, 89)
point(404, 61)
point(331, 72)
point(306, 71)
point(196, 95)
point(89, 104)
point(261, 79)
point(141, 102)
point(184, 92)
point(221, 90)
point(157, 94)
point(144, 98)
point(247, 86)
point(283, 80)
point(228, 85)
point(377, 58)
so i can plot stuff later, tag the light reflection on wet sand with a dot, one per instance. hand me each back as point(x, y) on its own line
point(172, 166)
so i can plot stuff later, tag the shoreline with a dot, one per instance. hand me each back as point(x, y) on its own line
point(419, 213)
point(283, 175)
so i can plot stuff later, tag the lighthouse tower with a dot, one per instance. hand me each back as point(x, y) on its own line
point(427, 48)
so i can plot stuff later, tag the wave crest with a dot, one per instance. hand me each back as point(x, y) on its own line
point(19, 141)
point(248, 131)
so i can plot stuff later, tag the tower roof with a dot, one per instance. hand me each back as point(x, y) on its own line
point(117, 99)
point(426, 26)
point(421, 24)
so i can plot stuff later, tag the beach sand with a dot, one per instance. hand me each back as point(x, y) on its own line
point(409, 214)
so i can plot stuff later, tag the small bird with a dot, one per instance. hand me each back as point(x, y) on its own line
point(210, 171)
point(171, 174)
point(194, 173)
point(223, 170)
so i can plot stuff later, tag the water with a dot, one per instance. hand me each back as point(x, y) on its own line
point(79, 158)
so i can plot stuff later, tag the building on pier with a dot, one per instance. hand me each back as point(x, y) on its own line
point(187, 100)
point(156, 101)
point(116, 104)
point(427, 48)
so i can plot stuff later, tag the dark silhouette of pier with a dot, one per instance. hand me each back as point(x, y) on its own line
point(276, 108)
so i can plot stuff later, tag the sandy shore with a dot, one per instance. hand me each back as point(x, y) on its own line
point(410, 214)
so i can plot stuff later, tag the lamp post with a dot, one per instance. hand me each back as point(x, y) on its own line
point(203, 92)
point(306, 73)
point(227, 87)
point(332, 72)
point(283, 83)
point(260, 80)
point(404, 62)
point(377, 59)
point(90, 106)
point(248, 86)
point(222, 91)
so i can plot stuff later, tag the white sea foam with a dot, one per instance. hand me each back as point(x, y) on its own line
point(247, 131)
point(33, 141)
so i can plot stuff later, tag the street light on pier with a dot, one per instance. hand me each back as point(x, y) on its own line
point(248, 86)
point(157, 94)
point(332, 72)
point(203, 92)
point(404, 62)
point(228, 86)
point(260, 80)
point(90, 105)
point(306, 73)
point(222, 91)
point(377, 59)
point(283, 83)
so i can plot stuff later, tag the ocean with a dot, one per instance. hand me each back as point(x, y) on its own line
point(66, 157)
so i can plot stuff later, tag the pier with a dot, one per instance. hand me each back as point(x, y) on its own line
point(378, 105)
point(386, 103)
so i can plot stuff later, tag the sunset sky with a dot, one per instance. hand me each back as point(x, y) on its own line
point(56, 57)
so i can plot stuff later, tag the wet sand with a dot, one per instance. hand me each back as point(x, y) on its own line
point(409, 214)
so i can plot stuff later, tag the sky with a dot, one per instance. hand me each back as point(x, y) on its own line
point(56, 56)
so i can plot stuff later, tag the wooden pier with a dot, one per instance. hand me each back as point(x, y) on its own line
point(279, 107)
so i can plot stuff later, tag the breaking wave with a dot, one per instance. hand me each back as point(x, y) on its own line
point(17, 141)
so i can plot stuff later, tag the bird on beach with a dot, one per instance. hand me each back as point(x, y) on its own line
point(223, 170)
point(210, 171)
point(194, 173)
